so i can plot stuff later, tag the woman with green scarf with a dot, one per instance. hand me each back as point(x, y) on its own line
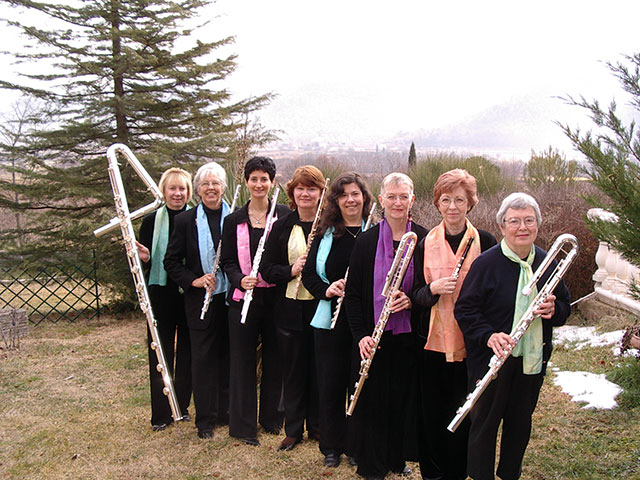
point(167, 300)
point(489, 305)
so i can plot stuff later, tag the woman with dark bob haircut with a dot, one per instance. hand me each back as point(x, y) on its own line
point(348, 204)
point(241, 234)
point(443, 369)
point(283, 260)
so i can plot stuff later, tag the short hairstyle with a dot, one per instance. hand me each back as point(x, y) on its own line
point(306, 175)
point(395, 178)
point(332, 217)
point(205, 170)
point(449, 181)
point(260, 163)
point(518, 201)
point(176, 174)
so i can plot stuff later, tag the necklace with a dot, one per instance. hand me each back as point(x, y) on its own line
point(354, 235)
point(256, 220)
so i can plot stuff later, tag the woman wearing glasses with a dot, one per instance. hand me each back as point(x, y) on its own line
point(443, 369)
point(490, 303)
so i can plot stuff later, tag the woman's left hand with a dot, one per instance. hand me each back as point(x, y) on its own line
point(547, 308)
point(336, 289)
point(400, 302)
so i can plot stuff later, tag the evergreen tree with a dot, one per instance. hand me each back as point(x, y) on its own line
point(412, 155)
point(550, 169)
point(111, 71)
point(613, 154)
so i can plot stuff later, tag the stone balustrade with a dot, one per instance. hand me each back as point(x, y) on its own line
point(614, 274)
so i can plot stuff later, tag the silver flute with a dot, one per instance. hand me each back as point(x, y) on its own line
point(135, 265)
point(248, 295)
point(392, 284)
point(495, 364)
point(216, 263)
point(336, 312)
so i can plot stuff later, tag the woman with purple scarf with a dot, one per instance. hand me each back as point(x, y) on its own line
point(385, 404)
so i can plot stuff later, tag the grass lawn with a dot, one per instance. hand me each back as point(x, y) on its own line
point(74, 403)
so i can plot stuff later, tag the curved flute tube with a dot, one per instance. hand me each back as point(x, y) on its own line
point(336, 312)
point(248, 295)
point(392, 284)
point(135, 265)
point(312, 233)
point(521, 327)
point(216, 263)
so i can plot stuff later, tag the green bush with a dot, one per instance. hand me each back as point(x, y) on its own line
point(627, 375)
point(550, 169)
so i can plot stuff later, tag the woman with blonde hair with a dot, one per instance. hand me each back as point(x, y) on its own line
point(443, 370)
point(283, 260)
point(167, 301)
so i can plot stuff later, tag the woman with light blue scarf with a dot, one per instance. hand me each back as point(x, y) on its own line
point(348, 204)
point(189, 262)
point(167, 300)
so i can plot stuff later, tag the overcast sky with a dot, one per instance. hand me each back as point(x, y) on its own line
point(365, 70)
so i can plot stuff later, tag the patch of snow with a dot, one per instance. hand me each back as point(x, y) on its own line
point(594, 389)
point(580, 337)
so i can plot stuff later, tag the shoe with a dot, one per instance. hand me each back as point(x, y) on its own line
point(331, 460)
point(158, 427)
point(253, 441)
point(405, 471)
point(186, 417)
point(288, 443)
point(272, 430)
point(205, 433)
point(313, 436)
point(352, 461)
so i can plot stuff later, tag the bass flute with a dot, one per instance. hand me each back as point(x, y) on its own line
point(336, 312)
point(456, 271)
point(216, 262)
point(135, 265)
point(312, 233)
point(248, 295)
point(392, 284)
point(495, 364)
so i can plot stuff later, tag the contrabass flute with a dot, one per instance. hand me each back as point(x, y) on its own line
point(392, 284)
point(312, 233)
point(135, 265)
point(216, 262)
point(521, 327)
point(248, 295)
point(336, 312)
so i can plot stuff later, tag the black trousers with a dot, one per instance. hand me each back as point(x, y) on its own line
point(334, 354)
point(510, 398)
point(383, 411)
point(168, 310)
point(299, 376)
point(210, 368)
point(243, 341)
point(443, 388)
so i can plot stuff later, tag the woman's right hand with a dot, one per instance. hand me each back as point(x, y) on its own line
point(501, 343)
point(443, 286)
point(248, 283)
point(366, 345)
point(207, 281)
point(298, 265)
point(336, 289)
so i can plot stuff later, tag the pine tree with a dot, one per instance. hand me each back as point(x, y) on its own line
point(111, 71)
point(412, 155)
point(613, 154)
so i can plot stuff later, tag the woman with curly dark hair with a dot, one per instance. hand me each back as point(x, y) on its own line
point(348, 204)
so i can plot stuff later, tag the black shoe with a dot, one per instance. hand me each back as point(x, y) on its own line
point(253, 441)
point(205, 433)
point(353, 462)
point(288, 443)
point(331, 460)
point(158, 427)
point(405, 471)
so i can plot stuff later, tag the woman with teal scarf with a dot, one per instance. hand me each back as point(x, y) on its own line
point(348, 204)
point(489, 305)
point(167, 301)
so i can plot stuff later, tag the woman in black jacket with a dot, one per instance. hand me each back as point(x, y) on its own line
point(241, 234)
point(347, 206)
point(167, 301)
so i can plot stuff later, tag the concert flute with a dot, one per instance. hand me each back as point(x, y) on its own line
point(456, 270)
point(248, 295)
point(336, 313)
point(123, 220)
point(216, 263)
point(312, 233)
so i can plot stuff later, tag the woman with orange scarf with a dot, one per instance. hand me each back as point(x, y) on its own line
point(443, 371)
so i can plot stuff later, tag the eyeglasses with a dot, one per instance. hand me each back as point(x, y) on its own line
point(210, 184)
point(516, 222)
point(458, 201)
point(392, 198)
